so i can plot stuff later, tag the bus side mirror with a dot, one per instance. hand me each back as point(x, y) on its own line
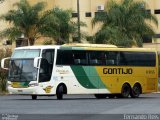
point(36, 62)
point(3, 61)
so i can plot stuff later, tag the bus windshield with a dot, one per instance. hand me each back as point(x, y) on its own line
point(22, 70)
point(21, 65)
point(26, 53)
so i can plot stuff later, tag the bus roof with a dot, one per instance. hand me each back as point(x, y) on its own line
point(90, 45)
point(87, 47)
point(39, 47)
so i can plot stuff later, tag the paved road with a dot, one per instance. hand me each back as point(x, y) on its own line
point(80, 104)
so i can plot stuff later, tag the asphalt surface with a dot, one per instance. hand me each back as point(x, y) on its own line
point(86, 105)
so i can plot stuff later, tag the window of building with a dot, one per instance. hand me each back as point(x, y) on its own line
point(75, 39)
point(147, 39)
point(148, 11)
point(101, 13)
point(157, 11)
point(88, 14)
point(157, 36)
point(74, 14)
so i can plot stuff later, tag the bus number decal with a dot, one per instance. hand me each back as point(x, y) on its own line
point(150, 72)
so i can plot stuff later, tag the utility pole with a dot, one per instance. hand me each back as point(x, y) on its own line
point(79, 34)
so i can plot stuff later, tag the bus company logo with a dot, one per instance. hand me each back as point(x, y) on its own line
point(9, 117)
point(48, 89)
point(63, 71)
point(117, 71)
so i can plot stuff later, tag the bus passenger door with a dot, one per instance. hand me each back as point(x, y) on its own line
point(46, 67)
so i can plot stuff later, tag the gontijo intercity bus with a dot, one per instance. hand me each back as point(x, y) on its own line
point(102, 70)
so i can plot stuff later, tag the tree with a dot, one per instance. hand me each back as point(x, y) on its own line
point(1, 1)
point(33, 22)
point(25, 20)
point(59, 25)
point(124, 23)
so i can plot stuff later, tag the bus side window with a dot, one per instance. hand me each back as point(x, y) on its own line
point(110, 62)
point(64, 57)
point(80, 57)
point(96, 58)
point(112, 58)
point(137, 58)
point(46, 65)
point(77, 61)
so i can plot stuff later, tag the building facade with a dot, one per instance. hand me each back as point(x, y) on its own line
point(88, 9)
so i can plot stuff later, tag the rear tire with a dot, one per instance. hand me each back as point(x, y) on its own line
point(60, 92)
point(125, 91)
point(34, 97)
point(136, 91)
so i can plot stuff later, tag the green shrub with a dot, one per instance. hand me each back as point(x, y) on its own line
point(3, 85)
point(5, 52)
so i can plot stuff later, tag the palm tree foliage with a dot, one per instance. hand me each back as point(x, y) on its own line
point(124, 23)
point(59, 25)
point(33, 22)
point(24, 20)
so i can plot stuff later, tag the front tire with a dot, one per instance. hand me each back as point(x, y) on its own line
point(125, 91)
point(60, 92)
point(136, 91)
point(34, 97)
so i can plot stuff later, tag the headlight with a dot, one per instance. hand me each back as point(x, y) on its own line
point(33, 84)
point(9, 84)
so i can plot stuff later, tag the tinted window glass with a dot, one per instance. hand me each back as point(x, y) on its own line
point(80, 57)
point(88, 14)
point(74, 14)
point(96, 58)
point(137, 59)
point(64, 57)
point(112, 58)
point(46, 65)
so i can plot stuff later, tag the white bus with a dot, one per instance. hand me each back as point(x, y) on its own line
point(102, 70)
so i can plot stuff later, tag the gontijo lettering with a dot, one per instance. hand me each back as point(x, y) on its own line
point(117, 71)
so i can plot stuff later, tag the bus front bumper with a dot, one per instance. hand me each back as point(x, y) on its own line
point(29, 90)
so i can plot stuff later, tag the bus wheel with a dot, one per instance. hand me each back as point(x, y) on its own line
point(100, 96)
point(136, 91)
point(34, 97)
point(59, 92)
point(125, 92)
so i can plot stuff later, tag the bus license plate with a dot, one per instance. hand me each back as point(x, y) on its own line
point(20, 91)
